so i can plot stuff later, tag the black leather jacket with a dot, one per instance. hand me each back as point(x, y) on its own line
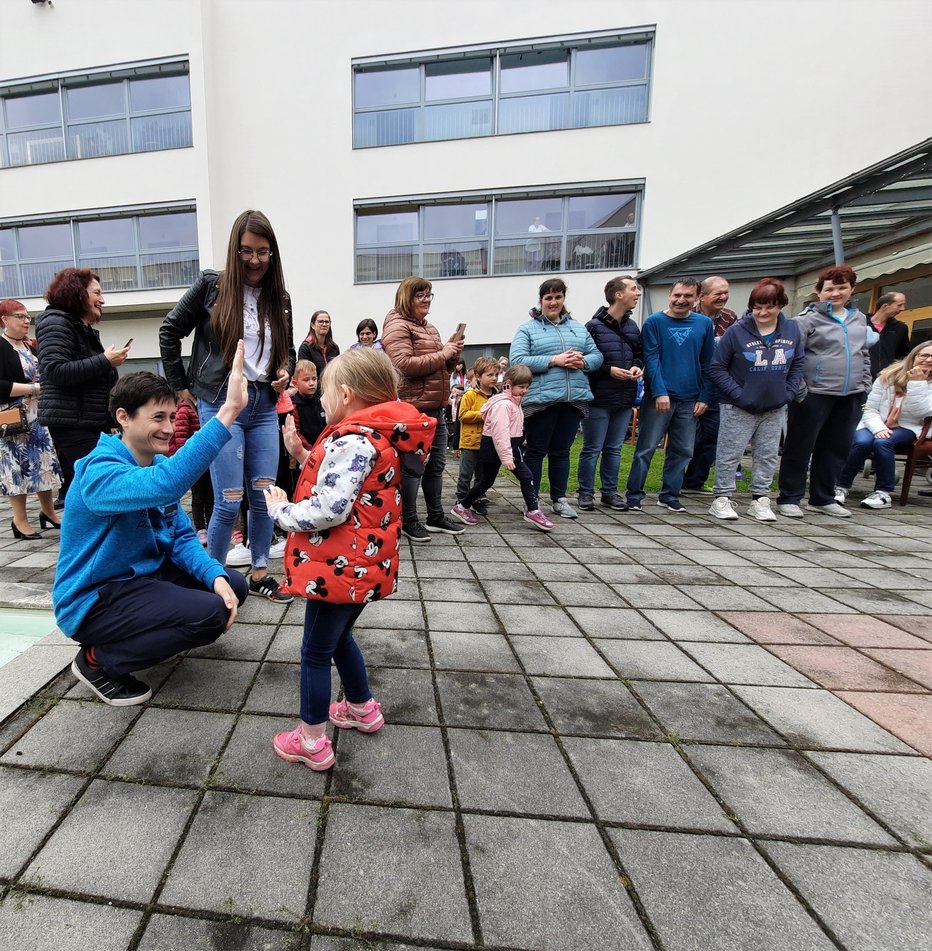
point(206, 374)
point(76, 376)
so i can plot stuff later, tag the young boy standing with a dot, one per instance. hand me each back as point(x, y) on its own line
point(309, 416)
point(485, 372)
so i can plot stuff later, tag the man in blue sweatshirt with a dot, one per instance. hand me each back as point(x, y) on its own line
point(133, 584)
point(678, 346)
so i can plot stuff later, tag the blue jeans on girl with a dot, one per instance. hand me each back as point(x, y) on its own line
point(882, 451)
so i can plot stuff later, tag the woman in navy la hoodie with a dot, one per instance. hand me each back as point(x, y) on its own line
point(757, 369)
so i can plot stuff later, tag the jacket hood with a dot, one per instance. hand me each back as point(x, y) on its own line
point(536, 314)
point(498, 398)
point(603, 314)
point(405, 427)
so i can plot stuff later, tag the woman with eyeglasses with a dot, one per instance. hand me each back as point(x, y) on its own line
point(892, 418)
point(28, 464)
point(245, 301)
point(319, 346)
point(425, 363)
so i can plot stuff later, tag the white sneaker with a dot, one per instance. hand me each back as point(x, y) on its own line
point(841, 495)
point(790, 510)
point(877, 500)
point(722, 508)
point(563, 508)
point(278, 549)
point(239, 556)
point(833, 509)
point(761, 510)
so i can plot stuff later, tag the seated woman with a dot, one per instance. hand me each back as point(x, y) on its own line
point(899, 400)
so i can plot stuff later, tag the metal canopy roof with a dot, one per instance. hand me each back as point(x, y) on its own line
point(882, 204)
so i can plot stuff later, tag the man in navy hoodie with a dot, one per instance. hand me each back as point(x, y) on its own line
point(678, 346)
point(133, 584)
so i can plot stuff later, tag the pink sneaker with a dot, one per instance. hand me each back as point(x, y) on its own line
point(464, 514)
point(294, 748)
point(344, 718)
point(539, 520)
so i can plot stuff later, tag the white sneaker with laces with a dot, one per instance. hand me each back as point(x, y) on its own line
point(878, 499)
point(761, 510)
point(723, 509)
point(278, 549)
point(563, 508)
point(790, 510)
point(239, 556)
point(841, 494)
point(833, 509)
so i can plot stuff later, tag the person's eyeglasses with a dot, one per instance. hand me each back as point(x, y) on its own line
point(924, 356)
point(247, 254)
point(25, 317)
point(424, 295)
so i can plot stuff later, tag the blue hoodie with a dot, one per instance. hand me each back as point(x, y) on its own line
point(754, 375)
point(124, 521)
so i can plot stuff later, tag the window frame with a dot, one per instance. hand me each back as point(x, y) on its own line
point(567, 237)
point(570, 44)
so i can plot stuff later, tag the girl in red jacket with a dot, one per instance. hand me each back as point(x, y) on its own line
point(187, 423)
point(343, 538)
point(502, 436)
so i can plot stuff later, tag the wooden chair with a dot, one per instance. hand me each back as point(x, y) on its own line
point(917, 457)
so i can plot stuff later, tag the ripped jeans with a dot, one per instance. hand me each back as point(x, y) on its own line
point(250, 458)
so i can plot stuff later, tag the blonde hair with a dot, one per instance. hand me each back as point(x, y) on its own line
point(897, 374)
point(518, 374)
point(304, 366)
point(367, 372)
point(484, 365)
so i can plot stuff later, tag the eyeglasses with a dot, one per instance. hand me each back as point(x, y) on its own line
point(25, 317)
point(247, 254)
point(424, 295)
point(924, 356)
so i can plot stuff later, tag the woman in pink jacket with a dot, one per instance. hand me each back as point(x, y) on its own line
point(502, 436)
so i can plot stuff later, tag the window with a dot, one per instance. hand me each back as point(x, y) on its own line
point(465, 236)
point(562, 83)
point(130, 251)
point(135, 109)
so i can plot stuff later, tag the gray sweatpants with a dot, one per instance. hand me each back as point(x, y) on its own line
point(736, 430)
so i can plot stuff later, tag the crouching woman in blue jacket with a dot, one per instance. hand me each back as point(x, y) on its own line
point(757, 369)
point(559, 352)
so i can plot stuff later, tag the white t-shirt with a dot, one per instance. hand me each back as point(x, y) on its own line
point(257, 361)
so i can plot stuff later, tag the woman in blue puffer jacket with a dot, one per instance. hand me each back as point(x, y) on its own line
point(559, 351)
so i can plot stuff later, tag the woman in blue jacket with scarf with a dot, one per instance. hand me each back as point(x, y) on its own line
point(559, 352)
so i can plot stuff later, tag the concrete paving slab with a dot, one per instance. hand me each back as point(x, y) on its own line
point(241, 642)
point(501, 571)
point(623, 623)
point(31, 802)
point(863, 631)
point(780, 628)
point(144, 825)
point(415, 890)
point(391, 648)
point(723, 597)
point(621, 778)
point(525, 592)
point(442, 616)
point(577, 900)
point(263, 611)
point(461, 650)
point(275, 689)
point(873, 901)
point(695, 626)
point(706, 712)
point(628, 573)
point(395, 615)
point(170, 746)
point(208, 684)
point(513, 772)
point(322, 943)
point(908, 716)
point(840, 668)
point(876, 601)
point(452, 589)
point(536, 619)
point(652, 660)
point(286, 644)
point(177, 933)
point(605, 707)
point(585, 593)
point(776, 792)
point(35, 923)
point(711, 892)
point(74, 735)
point(815, 719)
point(398, 764)
point(745, 664)
point(249, 763)
point(407, 696)
point(562, 656)
point(655, 596)
point(502, 701)
point(915, 664)
point(802, 599)
point(273, 841)
point(898, 789)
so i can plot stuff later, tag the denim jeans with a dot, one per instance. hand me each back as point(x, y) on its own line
point(550, 432)
point(603, 432)
point(415, 474)
point(250, 457)
point(328, 636)
point(679, 426)
point(469, 464)
point(704, 448)
point(867, 446)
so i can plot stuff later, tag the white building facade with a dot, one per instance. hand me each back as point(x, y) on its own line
point(486, 145)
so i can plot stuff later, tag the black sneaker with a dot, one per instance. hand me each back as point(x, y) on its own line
point(633, 507)
point(443, 524)
point(416, 532)
point(586, 502)
point(117, 691)
point(268, 587)
point(615, 501)
point(481, 507)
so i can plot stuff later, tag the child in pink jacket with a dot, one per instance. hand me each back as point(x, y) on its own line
point(502, 436)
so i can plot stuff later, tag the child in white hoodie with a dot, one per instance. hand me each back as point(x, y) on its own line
point(502, 436)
